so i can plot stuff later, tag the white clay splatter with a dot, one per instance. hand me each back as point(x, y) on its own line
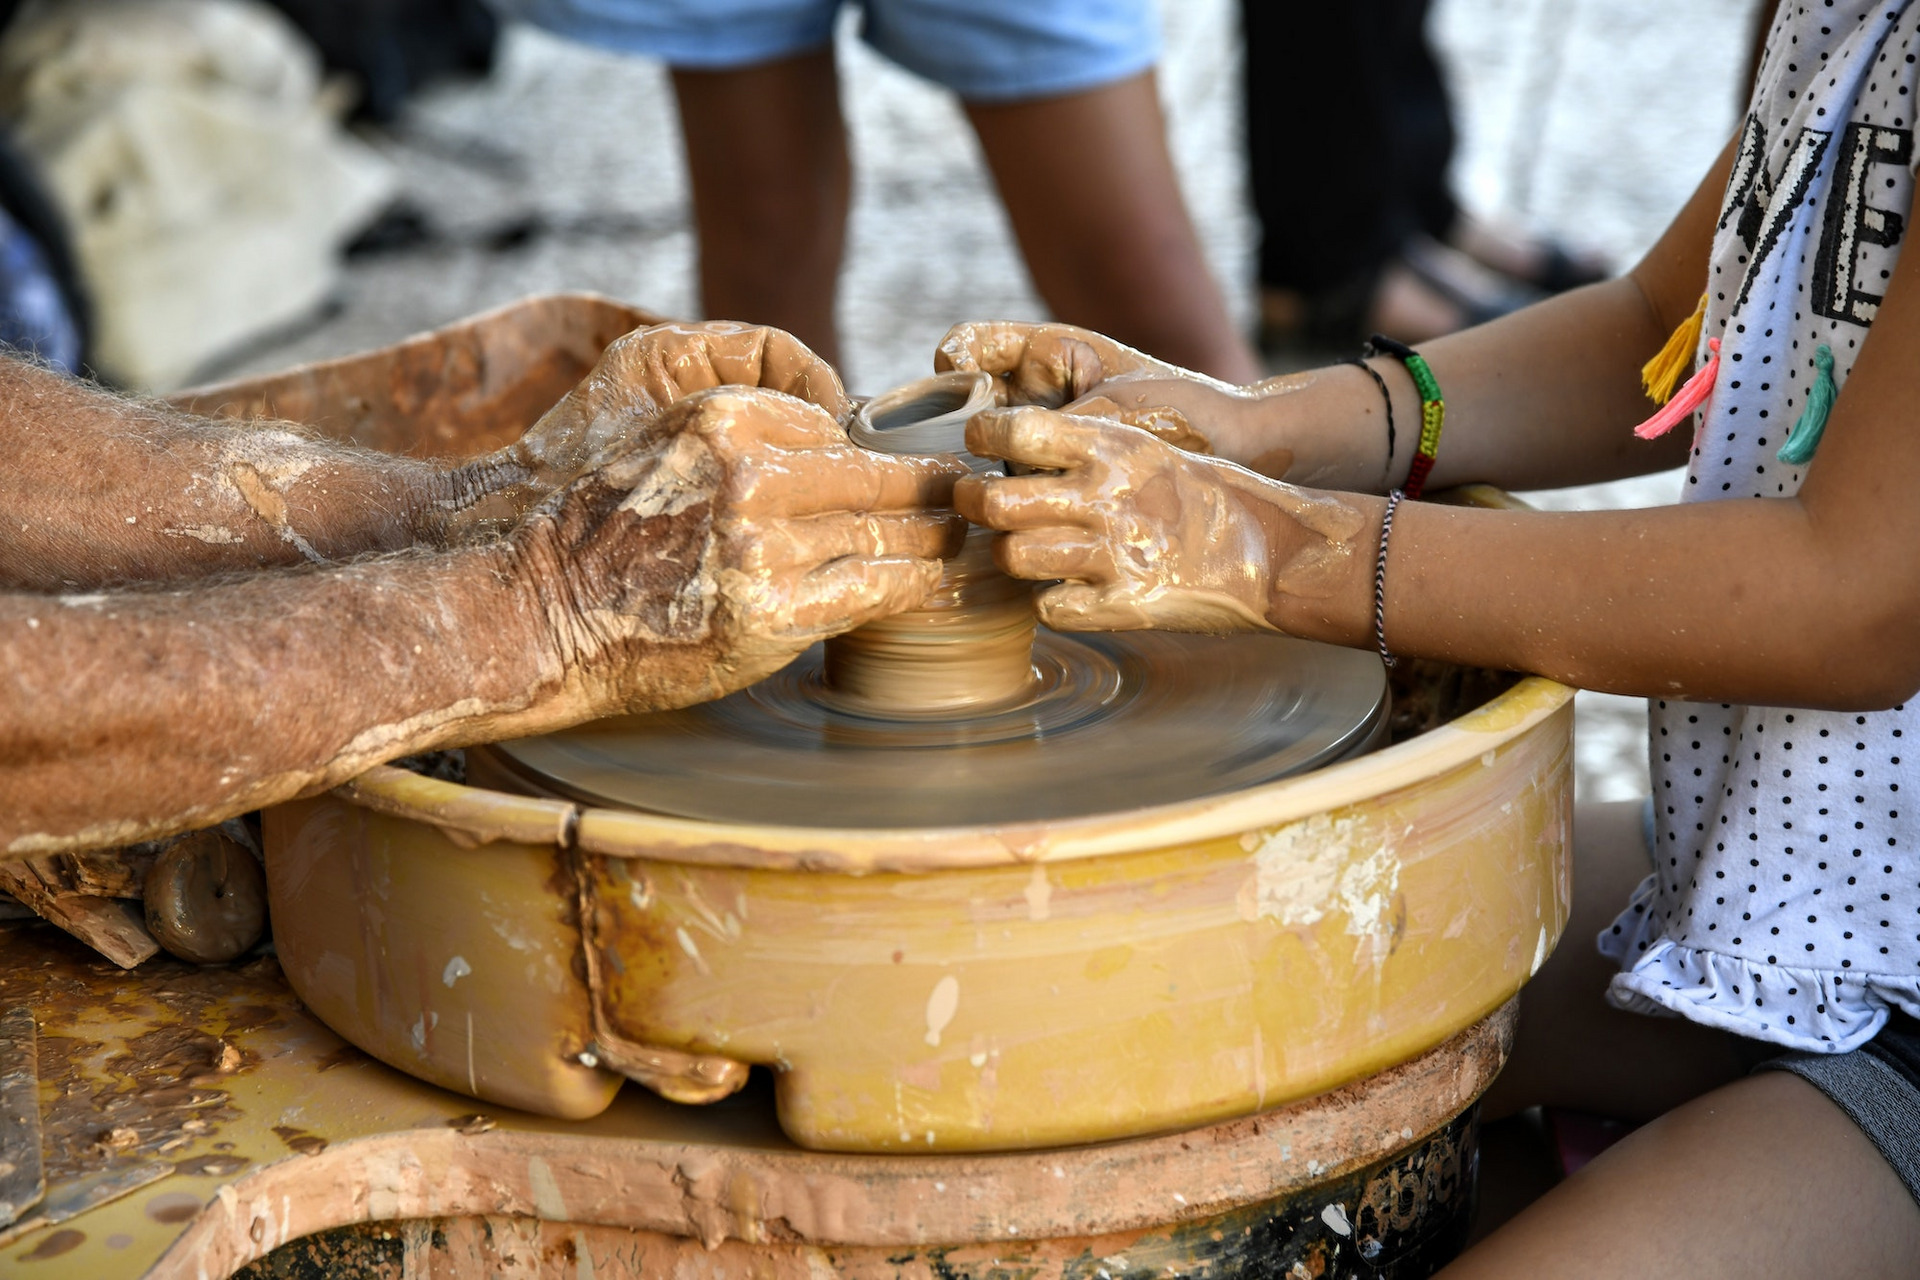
point(213, 533)
point(1367, 888)
point(547, 1200)
point(687, 945)
point(1335, 1216)
point(421, 1025)
point(941, 1006)
point(1306, 869)
point(457, 968)
point(1039, 894)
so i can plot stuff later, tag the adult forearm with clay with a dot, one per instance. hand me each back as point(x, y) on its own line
point(678, 571)
point(105, 491)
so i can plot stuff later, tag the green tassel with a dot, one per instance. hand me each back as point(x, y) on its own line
point(1805, 436)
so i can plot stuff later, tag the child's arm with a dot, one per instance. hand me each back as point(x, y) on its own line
point(1809, 601)
point(1539, 399)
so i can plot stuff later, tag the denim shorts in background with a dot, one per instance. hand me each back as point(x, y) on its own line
point(983, 50)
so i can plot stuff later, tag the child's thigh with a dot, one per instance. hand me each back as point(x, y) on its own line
point(1764, 1177)
point(1575, 1050)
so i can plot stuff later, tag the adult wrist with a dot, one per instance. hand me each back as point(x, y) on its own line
point(481, 498)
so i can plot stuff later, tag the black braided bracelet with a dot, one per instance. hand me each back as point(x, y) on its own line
point(1380, 581)
point(1386, 398)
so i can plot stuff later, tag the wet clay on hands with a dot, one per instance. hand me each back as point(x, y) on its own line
point(619, 403)
point(1146, 535)
point(1045, 364)
point(1061, 366)
point(707, 558)
point(1203, 415)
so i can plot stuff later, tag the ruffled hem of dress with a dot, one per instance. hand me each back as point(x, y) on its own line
point(1818, 1010)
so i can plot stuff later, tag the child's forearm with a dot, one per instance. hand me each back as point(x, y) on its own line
point(1752, 601)
point(1539, 399)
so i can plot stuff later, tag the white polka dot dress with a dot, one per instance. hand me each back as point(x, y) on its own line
point(1785, 899)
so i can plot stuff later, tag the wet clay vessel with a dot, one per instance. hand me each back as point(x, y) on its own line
point(955, 988)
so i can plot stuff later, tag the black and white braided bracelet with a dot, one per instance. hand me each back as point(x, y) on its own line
point(1380, 581)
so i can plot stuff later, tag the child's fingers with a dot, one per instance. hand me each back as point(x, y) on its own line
point(1008, 503)
point(1053, 554)
point(1035, 437)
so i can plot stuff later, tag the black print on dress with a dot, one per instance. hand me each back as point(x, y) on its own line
point(1851, 222)
point(1746, 168)
point(1767, 207)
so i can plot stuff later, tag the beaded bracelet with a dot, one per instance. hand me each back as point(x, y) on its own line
point(1380, 581)
point(1433, 407)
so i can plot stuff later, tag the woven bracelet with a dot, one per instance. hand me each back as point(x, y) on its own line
point(1386, 398)
point(1380, 580)
point(1433, 407)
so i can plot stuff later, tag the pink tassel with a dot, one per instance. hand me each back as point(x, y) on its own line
point(1690, 397)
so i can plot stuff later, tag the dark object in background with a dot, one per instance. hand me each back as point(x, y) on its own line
point(393, 47)
point(1349, 134)
point(43, 305)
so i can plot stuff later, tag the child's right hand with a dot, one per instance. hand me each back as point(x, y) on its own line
point(1262, 427)
point(1146, 535)
point(1045, 364)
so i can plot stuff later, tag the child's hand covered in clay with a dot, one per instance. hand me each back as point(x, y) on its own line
point(1060, 366)
point(1146, 535)
point(1043, 364)
point(1247, 425)
point(744, 529)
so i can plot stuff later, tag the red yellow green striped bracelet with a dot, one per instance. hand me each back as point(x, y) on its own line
point(1433, 408)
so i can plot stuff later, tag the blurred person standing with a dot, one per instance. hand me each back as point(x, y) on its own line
point(1062, 96)
point(1349, 136)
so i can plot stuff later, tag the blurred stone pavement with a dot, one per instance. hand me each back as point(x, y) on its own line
point(1588, 119)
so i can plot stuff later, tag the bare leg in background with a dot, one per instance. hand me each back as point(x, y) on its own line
point(1732, 1176)
point(1573, 1049)
point(1090, 188)
point(767, 159)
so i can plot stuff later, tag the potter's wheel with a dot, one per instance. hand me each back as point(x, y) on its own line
point(964, 712)
point(1123, 721)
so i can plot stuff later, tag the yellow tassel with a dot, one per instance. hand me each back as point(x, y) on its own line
point(1662, 374)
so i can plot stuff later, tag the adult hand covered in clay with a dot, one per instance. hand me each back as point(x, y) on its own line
point(619, 403)
point(744, 528)
point(1059, 365)
point(1146, 535)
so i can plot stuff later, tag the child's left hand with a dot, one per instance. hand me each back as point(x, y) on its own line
point(1147, 535)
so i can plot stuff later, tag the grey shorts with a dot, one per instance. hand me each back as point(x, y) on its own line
point(1878, 1086)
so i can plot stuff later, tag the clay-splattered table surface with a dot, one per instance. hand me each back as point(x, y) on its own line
point(197, 1118)
point(163, 1089)
point(162, 1086)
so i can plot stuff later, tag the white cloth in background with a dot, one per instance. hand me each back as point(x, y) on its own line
point(205, 179)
